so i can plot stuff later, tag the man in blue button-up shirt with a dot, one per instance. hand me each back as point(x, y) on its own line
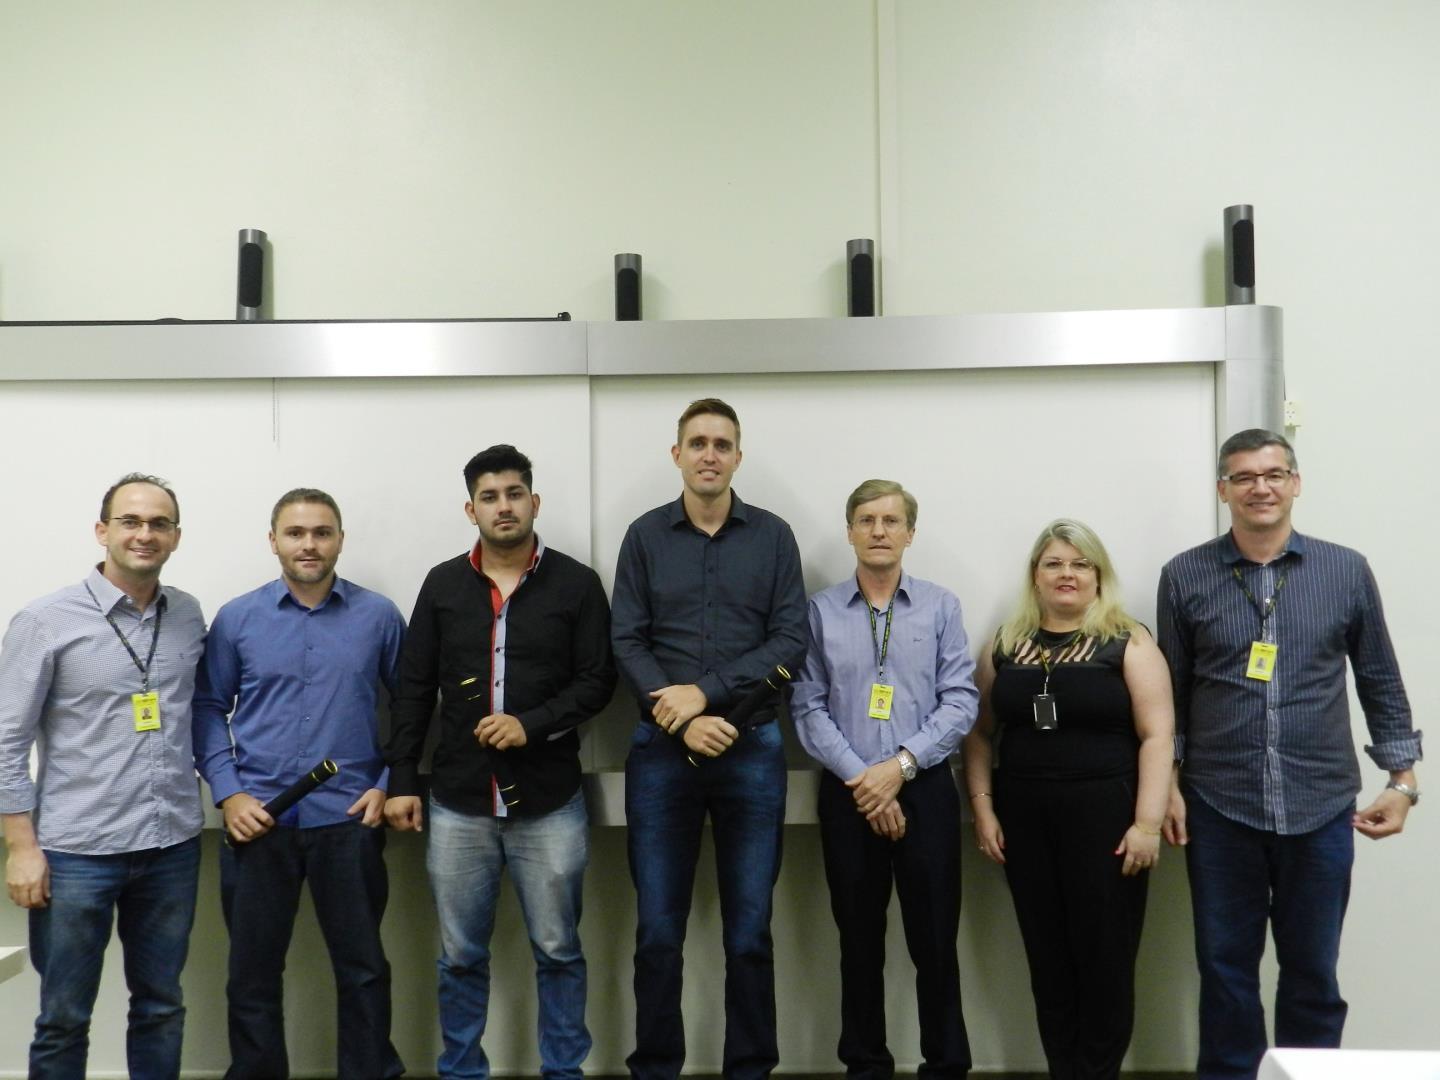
point(886, 695)
point(300, 661)
point(708, 600)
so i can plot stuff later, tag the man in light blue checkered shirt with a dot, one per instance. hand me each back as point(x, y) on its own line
point(98, 679)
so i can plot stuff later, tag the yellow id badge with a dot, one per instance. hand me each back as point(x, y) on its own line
point(1262, 661)
point(147, 711)
point(881, 697)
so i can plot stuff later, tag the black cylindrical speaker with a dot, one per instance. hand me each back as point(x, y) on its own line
point(1240, 254)
point(250, 278)
point(627, 287)
point(860, 276)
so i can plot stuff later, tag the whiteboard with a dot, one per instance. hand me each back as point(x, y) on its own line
point(991, 456)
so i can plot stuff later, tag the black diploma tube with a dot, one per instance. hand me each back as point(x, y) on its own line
point(300, 788)
point(742, 716)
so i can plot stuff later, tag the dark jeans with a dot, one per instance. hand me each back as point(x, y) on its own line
point(1079, 916)
point(666, 800)
point(153, 892)
point(1239, 878)
point(925, 867)
point(346, 871)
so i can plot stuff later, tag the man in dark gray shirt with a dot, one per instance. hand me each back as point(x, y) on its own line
point(1257, 626)
point(708, 601)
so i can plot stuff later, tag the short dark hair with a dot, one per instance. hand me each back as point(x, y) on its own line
point(706, 406)
point(502, 457)
point(136, 478)
point(306, 495)
point(1253, 439)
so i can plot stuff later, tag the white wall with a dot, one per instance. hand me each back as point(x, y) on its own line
point(459, 158)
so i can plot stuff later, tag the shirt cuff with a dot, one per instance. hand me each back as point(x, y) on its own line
point(224, 784)
point(18, 800)
point(849, 766)
point(714, 690)
point(404, 779)
point(1397, 755)
point(922, 749)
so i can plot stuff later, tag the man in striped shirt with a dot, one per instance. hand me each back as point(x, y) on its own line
point(1257, 626)
point(99, 677)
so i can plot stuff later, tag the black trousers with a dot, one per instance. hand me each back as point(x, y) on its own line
point(1080, 918)
point(925, 869)
point(345, 867)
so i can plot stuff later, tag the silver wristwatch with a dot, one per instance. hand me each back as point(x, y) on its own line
point(907, 765)
point(1413, 794)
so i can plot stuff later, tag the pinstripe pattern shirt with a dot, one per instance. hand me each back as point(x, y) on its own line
point(1279, 755)
point(65, 687)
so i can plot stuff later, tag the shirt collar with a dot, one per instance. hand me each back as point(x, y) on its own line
point(738, 510)
point(901, 590)
point(1230, 554)
point(278, 592)
point(535, 556)
point(109, 595)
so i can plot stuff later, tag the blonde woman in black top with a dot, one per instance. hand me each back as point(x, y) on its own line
point(1069, 772)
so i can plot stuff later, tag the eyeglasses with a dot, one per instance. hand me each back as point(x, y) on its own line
point(888, 523)
point(1075, 566)
point(160, 526)
point(1273, 478)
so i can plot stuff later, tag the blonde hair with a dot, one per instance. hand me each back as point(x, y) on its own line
point(1104, 619)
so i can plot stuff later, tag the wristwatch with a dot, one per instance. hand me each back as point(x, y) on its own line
point(907, 765)
point(1413, 794)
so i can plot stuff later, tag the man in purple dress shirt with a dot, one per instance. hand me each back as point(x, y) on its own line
point(885, 696)
point(300, 661)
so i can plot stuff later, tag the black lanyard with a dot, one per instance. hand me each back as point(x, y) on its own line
point(1266, 609)
point(1045, 652)
point(881, 646)
point(144, 668)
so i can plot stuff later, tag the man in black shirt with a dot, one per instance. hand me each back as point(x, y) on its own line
point(515, 638)
point(708, 600)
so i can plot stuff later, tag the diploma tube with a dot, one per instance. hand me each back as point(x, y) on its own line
point(742, 716)
point(294, 793)
point(300, 788)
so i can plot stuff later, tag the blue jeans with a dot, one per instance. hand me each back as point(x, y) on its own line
point(1239, 878)
point(546, 855)
point(666, 800)
point(345, 866)
point(154, 893)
